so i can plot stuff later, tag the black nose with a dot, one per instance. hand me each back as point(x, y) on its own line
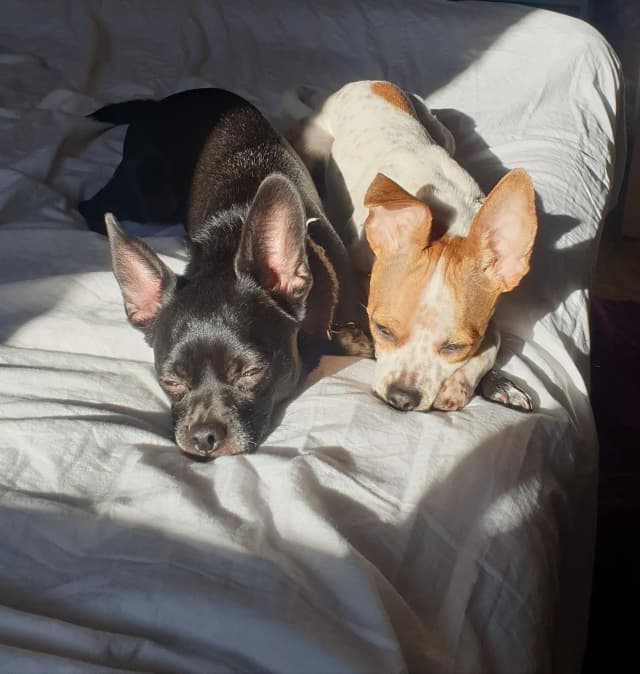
point(404, 399)
point(205, 438)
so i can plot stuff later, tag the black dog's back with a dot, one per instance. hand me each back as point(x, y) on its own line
point(190, 155)
point(161, 150)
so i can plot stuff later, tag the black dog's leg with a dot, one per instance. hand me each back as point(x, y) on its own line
point(140, 190)
point(350, 324)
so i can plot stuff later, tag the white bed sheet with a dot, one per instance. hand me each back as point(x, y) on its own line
point(358, 539)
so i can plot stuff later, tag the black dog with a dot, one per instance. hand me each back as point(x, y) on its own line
point(266, 266)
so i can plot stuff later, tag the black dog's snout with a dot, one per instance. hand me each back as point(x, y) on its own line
point(205, 438)
point(404, 399)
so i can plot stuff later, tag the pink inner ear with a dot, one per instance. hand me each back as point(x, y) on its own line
point(504, 230)
point(510, 248)
point(141, 287)
point(393, 226)
point(141, 316)
point(282, 276)
point(270, 279)
point(281, 255)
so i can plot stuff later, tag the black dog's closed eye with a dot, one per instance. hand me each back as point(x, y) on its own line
point(248, 376)
point(243, 379)
point(251, 372)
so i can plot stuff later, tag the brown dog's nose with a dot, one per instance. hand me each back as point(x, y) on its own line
point(404, 399)
point(205, 438)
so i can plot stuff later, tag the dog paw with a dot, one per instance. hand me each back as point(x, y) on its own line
point(454, 393)
point(353, 342)
point(497, 388)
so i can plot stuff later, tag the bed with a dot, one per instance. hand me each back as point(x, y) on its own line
point(358, 538)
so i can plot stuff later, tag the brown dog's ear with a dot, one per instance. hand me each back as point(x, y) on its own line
point(504, 230)
point(272, 246)
point(397, 219)
point(145, 281)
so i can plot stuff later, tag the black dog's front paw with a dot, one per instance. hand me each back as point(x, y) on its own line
point(352, 341)
point(497, 388)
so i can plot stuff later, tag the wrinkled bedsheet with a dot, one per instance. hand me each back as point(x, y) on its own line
point(358, 538)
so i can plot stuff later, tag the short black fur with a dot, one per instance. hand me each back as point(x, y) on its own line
point(225, 334)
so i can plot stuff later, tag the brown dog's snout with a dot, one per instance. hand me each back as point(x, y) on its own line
point(401, 398)
point(205, 438)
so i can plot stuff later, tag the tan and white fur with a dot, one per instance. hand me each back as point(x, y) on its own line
point(439, 253)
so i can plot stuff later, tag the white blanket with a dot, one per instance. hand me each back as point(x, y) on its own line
point(358, 538)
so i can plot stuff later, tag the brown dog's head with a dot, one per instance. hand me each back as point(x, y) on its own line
point(430, 301)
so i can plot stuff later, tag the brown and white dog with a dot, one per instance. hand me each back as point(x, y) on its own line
point(438, 251)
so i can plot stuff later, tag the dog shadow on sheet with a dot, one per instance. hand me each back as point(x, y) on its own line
point(556, 270)
point(475, 540)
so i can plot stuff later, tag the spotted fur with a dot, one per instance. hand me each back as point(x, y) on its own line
point(439, 252)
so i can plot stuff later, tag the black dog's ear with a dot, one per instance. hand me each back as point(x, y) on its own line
point(272, 247)
point(146, 282)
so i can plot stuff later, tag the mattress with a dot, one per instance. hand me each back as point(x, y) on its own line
point(358, 538)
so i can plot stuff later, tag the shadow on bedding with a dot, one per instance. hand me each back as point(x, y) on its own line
point(468, 568)
point(480, 558)
point(556, 272)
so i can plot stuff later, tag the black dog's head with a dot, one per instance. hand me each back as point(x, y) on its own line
point(224, 335)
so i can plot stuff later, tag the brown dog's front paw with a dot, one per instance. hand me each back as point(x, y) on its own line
point(454, 394)
point(353, 341)
point(497, 388)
